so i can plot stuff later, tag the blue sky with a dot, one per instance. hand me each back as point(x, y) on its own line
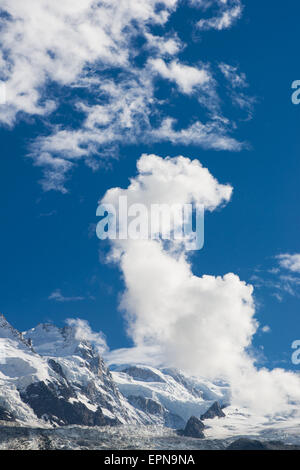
point(48, 241)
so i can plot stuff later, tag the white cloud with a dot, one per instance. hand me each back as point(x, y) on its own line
point(290, 262)
point(50, 40)
point(212, 135)
point(203, 325)
point(170, 181)
point(230, 11)
point(164, 45)
point(140, 354)
point(125, 118)
point(85, 53)
point(187, 78)
point(84, 332)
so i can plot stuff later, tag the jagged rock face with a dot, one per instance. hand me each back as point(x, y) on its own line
point(157, 411)
point(139, 373)
point(49, 375)
point(6, 415)
point(178, 395)
point(9, 332)
point(213, 412)
point(194, 428)
point(52, 404)
point(146, 404)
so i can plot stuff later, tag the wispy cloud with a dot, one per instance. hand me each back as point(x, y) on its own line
point(290, 262)
point(237, 83)
point(84, 332)
point(281, 279)
point(231, 73)
point(230, 12)
point(57, 296)
point(89, 50)
point(48, 214)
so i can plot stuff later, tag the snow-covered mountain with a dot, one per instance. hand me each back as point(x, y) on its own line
point(168, 396)
point(50, 377)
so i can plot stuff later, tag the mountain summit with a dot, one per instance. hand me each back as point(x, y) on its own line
point(51, 376)
point(48, 375)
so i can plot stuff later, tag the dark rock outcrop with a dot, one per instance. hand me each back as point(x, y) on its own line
point(194, 428)
point(253, 444)
point(6, 415)
point(52, 403)
point(173, 421)
point(79, 388)
point(139, 373)
point(152, 407)
point(213, 411)
point(146, 404)
point(13, 333)
point(57, 368)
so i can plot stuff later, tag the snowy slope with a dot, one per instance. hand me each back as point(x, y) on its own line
point(19, 367)
point(49, 376)
point(179, 396)
point(186, 396)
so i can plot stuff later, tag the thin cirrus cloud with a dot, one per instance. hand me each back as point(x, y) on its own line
point(201, 325)
point(231, 73)
point(57, 296)
point(85, 54)
point(237, 84)
point(290, 279)
point(282, 279)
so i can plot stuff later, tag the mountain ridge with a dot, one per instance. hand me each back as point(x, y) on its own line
point(58, 378)
point(59, 389)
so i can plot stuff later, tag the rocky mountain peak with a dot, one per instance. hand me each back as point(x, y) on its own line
point(194, 428)
point(62, 379)
point(9, 332)
point(214, 411)
point(51, 340)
